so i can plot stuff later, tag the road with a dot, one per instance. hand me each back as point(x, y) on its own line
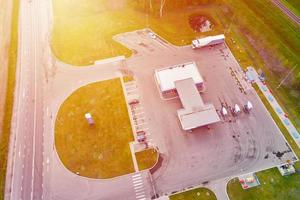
point(286, 11)
point(25, 161)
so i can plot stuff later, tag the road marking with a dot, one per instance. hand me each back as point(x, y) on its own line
point(139, 193)
point(136, 175)
point(137, 184)
point(137, 181)
point(140, 113)
point(136, 178)
point(140, 196)
point(139, 187)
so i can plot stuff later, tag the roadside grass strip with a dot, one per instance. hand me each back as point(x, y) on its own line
point(5, 130)
point(195, 194)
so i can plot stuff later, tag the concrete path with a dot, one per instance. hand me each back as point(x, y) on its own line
point(277, 108)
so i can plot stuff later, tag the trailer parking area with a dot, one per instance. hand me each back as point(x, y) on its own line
point(236, 145)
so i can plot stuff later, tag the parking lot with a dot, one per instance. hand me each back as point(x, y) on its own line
point(236, 145)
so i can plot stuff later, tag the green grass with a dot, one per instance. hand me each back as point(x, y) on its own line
point(99, 151)
point(146, 159)
point(195, 194)
point(5, 130)
point(83, 31)
point(273, 186)
point(293, 5)
point(269, 40)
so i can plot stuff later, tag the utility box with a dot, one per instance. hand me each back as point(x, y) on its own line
point(89, 119)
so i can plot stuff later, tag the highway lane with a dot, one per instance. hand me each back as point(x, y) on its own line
point(24, 174)
point(287, 12)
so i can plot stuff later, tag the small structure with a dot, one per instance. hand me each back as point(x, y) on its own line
point(286, 169)
point(208, 41)
point(249, 180)
point(248, 107)
point(166, 78)
point(89, 119)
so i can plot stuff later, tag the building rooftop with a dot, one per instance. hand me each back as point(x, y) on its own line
point(194, 113)
point(166, 77)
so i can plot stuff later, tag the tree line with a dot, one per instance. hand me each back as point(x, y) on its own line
point(159, 6)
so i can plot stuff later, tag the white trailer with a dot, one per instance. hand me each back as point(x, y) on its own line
point(208, 41)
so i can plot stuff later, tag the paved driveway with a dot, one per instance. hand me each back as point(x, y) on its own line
point(234, 146)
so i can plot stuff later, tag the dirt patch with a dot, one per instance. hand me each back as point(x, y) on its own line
point(5, 23)
point(200, 23)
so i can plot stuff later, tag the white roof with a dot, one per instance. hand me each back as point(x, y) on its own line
point(166, 77)
point(194, 113)
point(189, 95)
point(198, 119)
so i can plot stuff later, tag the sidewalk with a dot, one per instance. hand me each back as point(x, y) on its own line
point(277, 108)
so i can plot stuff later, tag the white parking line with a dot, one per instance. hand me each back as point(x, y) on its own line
point(141, 124)
point(139, 113)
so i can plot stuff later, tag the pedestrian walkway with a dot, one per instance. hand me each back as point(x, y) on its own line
point(277, 108)
point(137, 180)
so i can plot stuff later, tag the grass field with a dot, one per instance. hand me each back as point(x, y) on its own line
point(195, 194)
point(146, 159)
point(5, 130)
point(99, 151)
point(273, 186)
point(293, 5)
point(83, 31)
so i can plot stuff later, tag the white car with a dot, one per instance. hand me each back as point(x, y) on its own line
point(152, 35)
